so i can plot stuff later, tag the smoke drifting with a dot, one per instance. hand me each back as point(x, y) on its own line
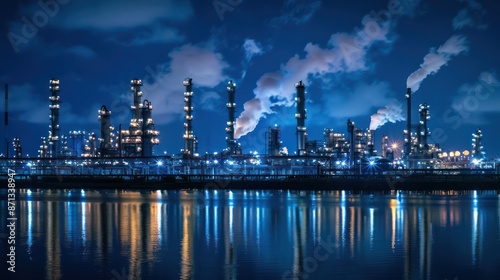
point(344, 53)
point(435, 59)
point(391, 113)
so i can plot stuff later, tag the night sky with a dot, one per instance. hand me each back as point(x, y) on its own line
point(354, 56)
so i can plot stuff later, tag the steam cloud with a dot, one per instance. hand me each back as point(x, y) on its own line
point(435, 59)
point(391, 113)
point(344, 53)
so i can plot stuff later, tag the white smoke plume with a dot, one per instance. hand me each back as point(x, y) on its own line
point(436, 59)
point(392, 112)
point(344, 53)
point(252, 48)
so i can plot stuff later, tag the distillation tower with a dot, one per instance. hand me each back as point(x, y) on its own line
point(232, 145)
point(301, 118)
point(54, 118)
point(131, 138)
point(190, 141)
point(149, 133)
point(423, 131)
point(350, 132)
point(477, 146)
point(106, 139)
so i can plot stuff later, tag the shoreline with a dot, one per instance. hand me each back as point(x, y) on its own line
point(417, 182)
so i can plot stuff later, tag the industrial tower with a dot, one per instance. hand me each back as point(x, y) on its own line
point(301, 118)
point(423, 131)
point(477, 146)
point(232, 145)
point(149, 133)
point(350, 132)
point(274, 142)
point(190, 141)
point(408, 140)
point(54, 118)
point(106, 138)
point(131, 138)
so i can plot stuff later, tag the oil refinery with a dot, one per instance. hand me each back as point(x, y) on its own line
point(130, 151)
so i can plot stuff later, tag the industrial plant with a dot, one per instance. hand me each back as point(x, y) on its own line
point(130, 150)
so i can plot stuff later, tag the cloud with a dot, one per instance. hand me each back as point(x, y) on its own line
point(201, 63)
point(475, 100)
point(140, 22)
point(344, 53)
point(296, 12)
point(120, 14)
point(436, 59)
point(470, 16)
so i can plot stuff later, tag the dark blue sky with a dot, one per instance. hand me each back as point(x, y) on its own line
point(352, 61)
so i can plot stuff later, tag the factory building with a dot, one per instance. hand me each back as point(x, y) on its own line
point(76, 143)
point(274, 141)
point(43, 150)
point(91, 147)
point(335, 144)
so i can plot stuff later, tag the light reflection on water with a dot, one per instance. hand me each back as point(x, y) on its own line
point(78, 234)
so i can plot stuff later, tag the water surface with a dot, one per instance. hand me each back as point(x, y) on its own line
point(223, 234)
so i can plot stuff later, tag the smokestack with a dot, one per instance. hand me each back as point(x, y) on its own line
point(54, 117)
point(301, 118)
point(423, 131)
point(350, 130)
point(189, 138)
point(231, 105)
point(408, 123)
point(105, 119)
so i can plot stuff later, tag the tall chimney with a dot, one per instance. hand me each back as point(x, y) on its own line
point(408, 123)
point(231, 143)
point(350, 130)
point(301, 118)
point(189, 138)
point(54, 117)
